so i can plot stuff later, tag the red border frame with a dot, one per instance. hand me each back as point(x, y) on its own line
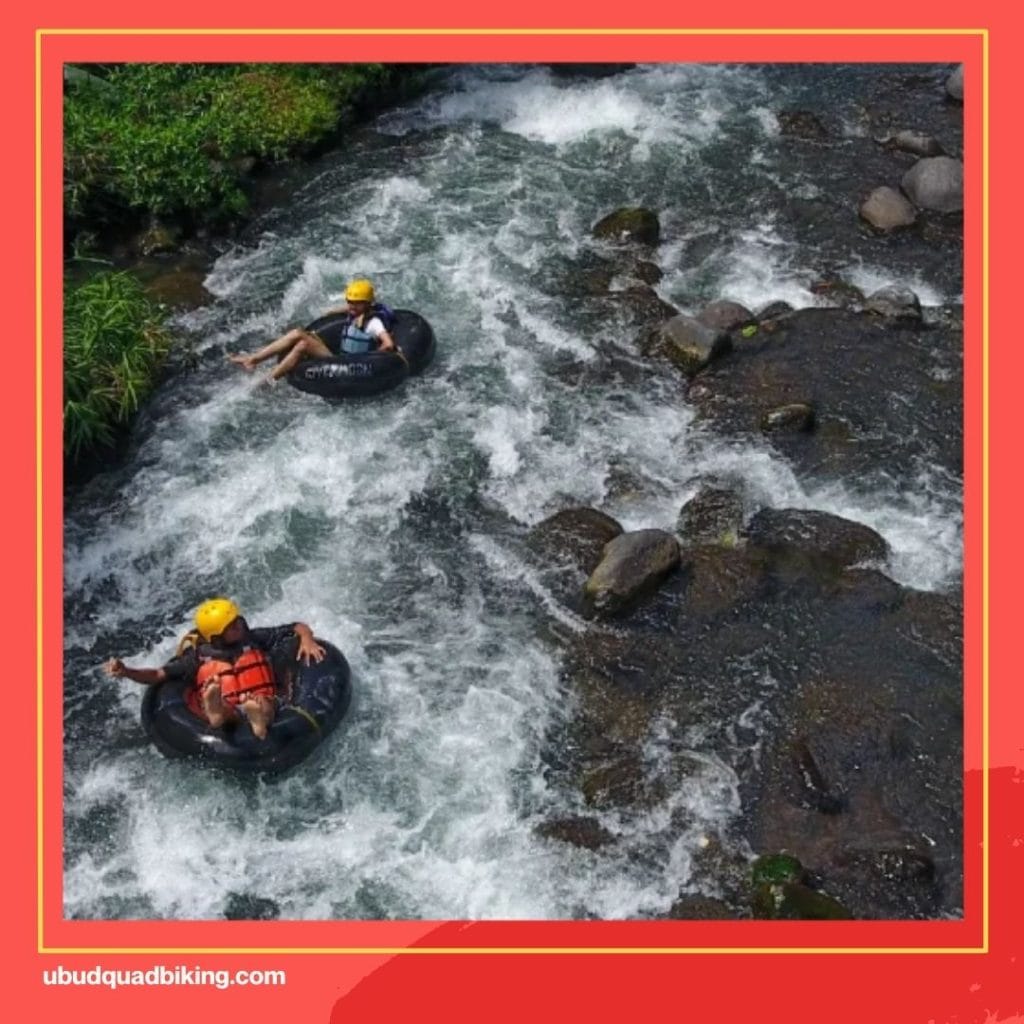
point(937, 979)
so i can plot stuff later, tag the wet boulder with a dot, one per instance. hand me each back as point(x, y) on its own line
point(712, 516)
point(642, 306)
point(793, 901)
point(688, 343)
point(246, 907)
point(936, 183)
point(646, 271)
point(816, 534)
point(586, 833)
point(816, 790)
point(720, 580)
point(587, 273)
point(632, 565)
point(701, 908)
point(886, 210)
point(724, 315)
point(955, 85)
point(918, 143)
point(597, 274)
point(904, 877)
point(774, 311)
point(833, 360)
point(801, 124)
point(574, 536)
point(629, 225)
point(894, 301)
point(870, 761)
point(794, 417)
point(837, 292)
point(780, 892)
point(566, 548)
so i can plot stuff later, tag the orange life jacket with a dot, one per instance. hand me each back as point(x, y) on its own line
point(250, 675)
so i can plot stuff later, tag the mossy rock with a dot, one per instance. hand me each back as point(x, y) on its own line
point(777, 867)
point(792, 901)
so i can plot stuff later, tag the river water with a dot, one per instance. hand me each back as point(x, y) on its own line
point(396, 526)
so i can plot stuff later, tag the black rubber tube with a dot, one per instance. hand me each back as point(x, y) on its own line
point(321, 694)
point(349, 376)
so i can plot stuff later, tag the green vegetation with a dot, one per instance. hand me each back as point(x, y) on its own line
point(173, 145)
point(114, 346)
point(177, 140)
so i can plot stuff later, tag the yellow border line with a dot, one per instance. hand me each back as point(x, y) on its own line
point(523, 950)
point(39, 483)
point(381, 950)
point(515, 32)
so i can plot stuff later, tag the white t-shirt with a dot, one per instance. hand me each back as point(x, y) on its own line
point(374, 328)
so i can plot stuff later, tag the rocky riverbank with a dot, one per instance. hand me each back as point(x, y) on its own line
point(841, 687)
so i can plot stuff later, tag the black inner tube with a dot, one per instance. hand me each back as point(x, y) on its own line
point(320, 696)
point(369, 373)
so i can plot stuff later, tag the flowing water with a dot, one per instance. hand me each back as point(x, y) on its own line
point(396, 526)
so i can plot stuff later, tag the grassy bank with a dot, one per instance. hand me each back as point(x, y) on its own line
point(114, 347)
point(179, 141)
point(177, 145)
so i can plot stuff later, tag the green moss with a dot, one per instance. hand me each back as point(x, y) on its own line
point(791, 901)
point(777, 867)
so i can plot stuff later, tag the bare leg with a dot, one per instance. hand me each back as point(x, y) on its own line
point(307, 347)
point(251, 360)
point(260, 712)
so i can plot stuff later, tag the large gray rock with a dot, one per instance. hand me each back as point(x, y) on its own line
point(629, 225)
point(795, 417)
point(632, 566)
point(688, 343)
point(816, 534)
point(885, 210)
point(936, 183)
point(917, 143)
point(774, 311)
point(723, 315)
point(712, 516)
point(574, 536)
point(955, 84)
point(896, 301)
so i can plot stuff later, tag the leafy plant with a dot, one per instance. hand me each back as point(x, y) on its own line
point(114, 344)
point(175, 139)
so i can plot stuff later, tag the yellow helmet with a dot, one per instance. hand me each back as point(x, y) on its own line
point(359, 291)
point(215, 615)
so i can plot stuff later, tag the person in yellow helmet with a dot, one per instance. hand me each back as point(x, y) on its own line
point(229, 666)
point(367, 330)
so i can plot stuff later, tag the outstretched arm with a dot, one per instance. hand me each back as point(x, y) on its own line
point(117, 669)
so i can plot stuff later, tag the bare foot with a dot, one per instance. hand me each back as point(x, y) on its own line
point(242, 359)
point(213, 704)
point(259, 712)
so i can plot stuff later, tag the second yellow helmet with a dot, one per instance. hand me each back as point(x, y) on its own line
point(215, 615)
